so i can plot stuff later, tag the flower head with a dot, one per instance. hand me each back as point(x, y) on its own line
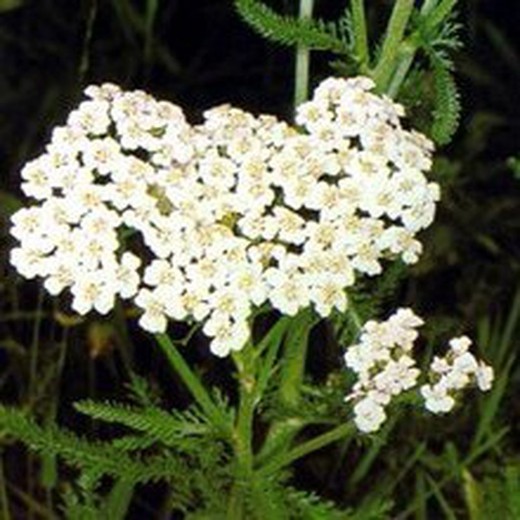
point(232, 213)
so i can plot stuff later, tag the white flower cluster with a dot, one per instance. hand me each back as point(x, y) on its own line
point(232, 213)
point(385, 368)
point(453, 373)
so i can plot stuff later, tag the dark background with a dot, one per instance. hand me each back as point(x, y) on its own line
point(199, 53)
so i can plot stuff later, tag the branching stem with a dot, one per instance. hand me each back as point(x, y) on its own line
point(192, 382)
point(393, 38)
point(243, 432)
point(307, 447)
point(360, 34)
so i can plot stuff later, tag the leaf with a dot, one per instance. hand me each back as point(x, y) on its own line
point(165, 427)
point(93, 458)
point(118, 500)
point(287, 30)
point(473, 496)
point(447, 104)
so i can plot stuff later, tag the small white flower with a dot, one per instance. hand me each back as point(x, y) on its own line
point(154, 317)
point(437, 400)
point(484, 376)
point(460, 346)
point(127, 276)
point(369, 415)
point(92, 290)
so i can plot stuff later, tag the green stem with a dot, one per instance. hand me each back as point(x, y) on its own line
point(440, 13)
point(433, 16)
point(193, 383)
point(402, 68)
point(292, 366)
point(361, 36)
point(354, 318)
point(301, 88)
point(267, 351)
point(428, 6)
point(307, 447)
point(150, 16)
point(394, 36)
point(243, 432)
point(35, 345)
point(87, 41)
point(295, 356)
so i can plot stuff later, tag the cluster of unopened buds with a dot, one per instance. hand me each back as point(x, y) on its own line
point(209, 222)
point(384, 366)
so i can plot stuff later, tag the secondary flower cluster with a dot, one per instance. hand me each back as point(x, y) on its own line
point(452, 373)
point(385, 368)
point(383, 363)
point(209, 221)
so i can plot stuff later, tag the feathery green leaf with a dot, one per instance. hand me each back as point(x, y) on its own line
point(286, 30)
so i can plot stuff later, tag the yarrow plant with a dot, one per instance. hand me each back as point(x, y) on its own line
point(214, 223)
point(237, 212)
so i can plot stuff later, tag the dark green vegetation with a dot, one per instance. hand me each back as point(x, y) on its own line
point(147, 450)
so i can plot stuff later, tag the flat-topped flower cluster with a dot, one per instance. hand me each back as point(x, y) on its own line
point(229, 214)
point(385, 368)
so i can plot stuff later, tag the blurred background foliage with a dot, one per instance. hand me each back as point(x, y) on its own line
point(198, 54)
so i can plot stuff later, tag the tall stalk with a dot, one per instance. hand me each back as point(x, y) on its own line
point(243, 433)
point(391, 46)
point(301, 84)
point(359, 25)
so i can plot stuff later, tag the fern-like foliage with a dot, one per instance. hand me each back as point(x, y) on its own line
point(274, 499)
point(164, 427)
point(447, 111)
point(189, 458)
point(94, 458)
point(286, 30)
point(308, 506)
point(438, 41)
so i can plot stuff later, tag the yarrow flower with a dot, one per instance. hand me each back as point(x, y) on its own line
point(383, 363)
point(451, 374)
point(207, 222)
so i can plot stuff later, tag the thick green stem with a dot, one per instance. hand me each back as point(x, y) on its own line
point(440, 13)
point(307, 447)
point(35, 346)
point(427, 6)
point(192, 382)
point(361, 36)
point(295, 356)
point(354, 318)
point(301, 86)
point(282, 433)
point(433, 17)
point(393, 38)
point(402, 68)
point(243, 433)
